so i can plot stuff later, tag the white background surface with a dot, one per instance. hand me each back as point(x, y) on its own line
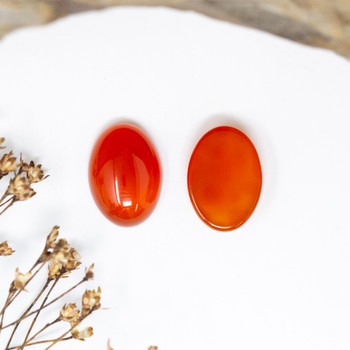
point(281, 281)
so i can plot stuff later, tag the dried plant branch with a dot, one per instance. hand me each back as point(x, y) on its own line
point(38, 312)
point(28, 309)
point(41, 342)
point(17, 286)
point(8, 206)
point(61, 259)
point(48, 304)
point(42, 330)
point(21, 177)
point(81, 335)
point(2, 204)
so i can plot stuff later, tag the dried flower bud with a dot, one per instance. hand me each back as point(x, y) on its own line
point(69, 313)
point(62, 244)
point(63, 259)
point(2, 139)
point(44, 257)
point(20, 188)
point(82, 335)
point(60, 257)
point(34, 172)
point(153, 348)
point(73, 260)
point(109, 345)
point(89, 274)
point(21, 279)
point(5, 250)
point(91, 300)
point(8, 164)
point(54, 270)
point(51, 239)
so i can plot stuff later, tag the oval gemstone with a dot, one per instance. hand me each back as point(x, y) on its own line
point(224, 178)
point(124, 174)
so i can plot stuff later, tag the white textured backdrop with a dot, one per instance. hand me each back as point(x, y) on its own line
point(281, 281)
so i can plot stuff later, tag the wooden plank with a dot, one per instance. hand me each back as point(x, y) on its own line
point(319, 23)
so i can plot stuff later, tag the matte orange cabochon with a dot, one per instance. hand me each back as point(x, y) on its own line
point(224, 178)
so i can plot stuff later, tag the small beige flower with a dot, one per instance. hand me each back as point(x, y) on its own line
point(54, 270)
point(69, 313)
point(73, 260)
point(20, 188)
point(2, 139)
point(51, 239)
point(34, 172)
point(60, 257)
point(5, 250)
point(63, 260)
point(109, 345)
point(51, 243)
point(62, 244)
point(89, 273)
point(21, 279)
point(153, 348)
point(8, 164)
point(91, 300)
point(82, 335)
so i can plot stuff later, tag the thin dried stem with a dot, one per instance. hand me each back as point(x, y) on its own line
point(59, 297)
point(61, 259)
point(46, 305)
point(5, 202)
point(26, 312)
point(15, 294)
point(4, 195)
point(41, 307)
point(10, 205)
point(4, 308)
point(59, 339)
point(41, 342)
point(42, 330)
point(65, 333)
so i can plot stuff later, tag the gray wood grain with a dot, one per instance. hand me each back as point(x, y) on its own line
point(319, 23)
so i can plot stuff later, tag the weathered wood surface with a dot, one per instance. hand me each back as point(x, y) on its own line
point(320, 23)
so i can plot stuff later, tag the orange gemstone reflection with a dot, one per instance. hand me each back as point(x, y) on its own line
point(224, 178)
point(124, 174)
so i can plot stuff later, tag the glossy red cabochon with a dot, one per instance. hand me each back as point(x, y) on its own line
point(124, 174)
point(224, 178)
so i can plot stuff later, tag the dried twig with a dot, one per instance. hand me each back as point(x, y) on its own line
point(61, 259)
point(21, 177)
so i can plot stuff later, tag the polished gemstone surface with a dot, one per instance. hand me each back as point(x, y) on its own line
point(224, 178)
point(124, 174)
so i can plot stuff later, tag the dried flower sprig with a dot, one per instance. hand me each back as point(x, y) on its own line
point(21, 177)
point(61, 259)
